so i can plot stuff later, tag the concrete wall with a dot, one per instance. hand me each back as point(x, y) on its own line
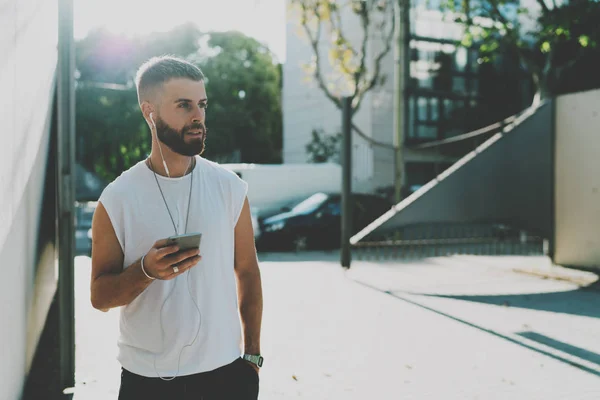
point(28, 40)
point(508, 179)
point(578, 179)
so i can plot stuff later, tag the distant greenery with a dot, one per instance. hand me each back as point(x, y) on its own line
point(323, 147)
point(555, 42)
point(243, 83)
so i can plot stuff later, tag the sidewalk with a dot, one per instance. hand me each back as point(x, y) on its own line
point(441, 328)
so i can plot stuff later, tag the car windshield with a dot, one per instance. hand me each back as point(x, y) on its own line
point(310, 204)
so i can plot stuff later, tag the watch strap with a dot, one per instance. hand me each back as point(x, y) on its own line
point(255, 359)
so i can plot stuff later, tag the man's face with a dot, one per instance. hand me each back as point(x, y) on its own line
point(181, 122)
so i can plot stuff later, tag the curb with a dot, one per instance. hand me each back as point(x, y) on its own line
point(579, 277)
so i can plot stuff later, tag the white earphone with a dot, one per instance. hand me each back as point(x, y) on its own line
point(160, 147)
point(172, 288)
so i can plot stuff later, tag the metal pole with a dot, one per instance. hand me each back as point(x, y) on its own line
point(346, 181)
point(405, 78)
point(66, 198)
point(552, 194)
point(401, 62)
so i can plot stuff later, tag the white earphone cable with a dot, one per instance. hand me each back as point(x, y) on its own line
point(175, 283)
point(163, 330)
point(160, 148)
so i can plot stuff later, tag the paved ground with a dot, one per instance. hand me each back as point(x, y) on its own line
point(440, 328)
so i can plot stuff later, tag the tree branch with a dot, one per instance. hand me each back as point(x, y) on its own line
point(364, 22)
point(314, 41)
point(544, 6)
point(498, 13)
point(337, 27)
point(371, 141)
point(377, 72)
point(523, 57)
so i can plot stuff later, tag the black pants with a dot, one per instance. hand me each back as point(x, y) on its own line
point(236, 381)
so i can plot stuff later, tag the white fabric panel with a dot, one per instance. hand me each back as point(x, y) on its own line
point(28, 45)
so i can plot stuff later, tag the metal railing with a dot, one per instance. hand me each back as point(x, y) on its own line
point(436, 240)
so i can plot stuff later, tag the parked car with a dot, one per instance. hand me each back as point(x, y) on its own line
point(255, 224)
point(84, 212)
point(315, 222)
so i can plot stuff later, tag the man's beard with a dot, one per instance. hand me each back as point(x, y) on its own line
point(175, 139)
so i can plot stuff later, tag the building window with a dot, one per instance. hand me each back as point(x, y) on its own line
point(434, 109)
point(422, 107)
point(461, 59)
point(459, 84)
point(427, 132)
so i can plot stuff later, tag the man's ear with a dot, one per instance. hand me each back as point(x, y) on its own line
point(148, 113)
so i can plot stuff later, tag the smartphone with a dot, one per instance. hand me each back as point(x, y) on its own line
point(185, 242)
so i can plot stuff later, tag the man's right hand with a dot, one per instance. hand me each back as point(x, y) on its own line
point(161, 259)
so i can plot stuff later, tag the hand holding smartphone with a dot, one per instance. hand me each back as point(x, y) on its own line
point(185, 242)
point(171, 257)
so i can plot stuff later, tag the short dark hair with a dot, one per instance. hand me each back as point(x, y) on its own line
point(159, 70)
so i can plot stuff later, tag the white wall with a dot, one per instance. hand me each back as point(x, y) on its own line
point(28, 40)
point(382, 108)
point(577, 187)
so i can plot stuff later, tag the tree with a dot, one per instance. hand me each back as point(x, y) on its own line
point(243, 83)
point(549, 40)
point(356, 64)
point(244, 86)
point(355, 75)
point(111, 135)
point(105, 57)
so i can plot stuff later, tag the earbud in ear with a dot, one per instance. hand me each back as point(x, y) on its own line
point(152, 121)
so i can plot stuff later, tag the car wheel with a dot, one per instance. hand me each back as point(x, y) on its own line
point(300, 243)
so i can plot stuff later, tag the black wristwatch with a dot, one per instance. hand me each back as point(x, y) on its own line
point(255, 359)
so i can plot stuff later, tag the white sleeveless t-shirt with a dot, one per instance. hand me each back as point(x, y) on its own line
point(163, 320)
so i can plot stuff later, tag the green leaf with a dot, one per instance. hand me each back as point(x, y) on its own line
point(584, 40)
point(545, 47)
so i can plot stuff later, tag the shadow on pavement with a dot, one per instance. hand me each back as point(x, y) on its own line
point(562, 346)
point(515, 340)
point(584, 302)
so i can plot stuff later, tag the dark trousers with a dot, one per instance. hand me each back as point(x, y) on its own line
point(236, 381)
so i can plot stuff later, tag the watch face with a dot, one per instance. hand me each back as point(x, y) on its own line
point(260, 361)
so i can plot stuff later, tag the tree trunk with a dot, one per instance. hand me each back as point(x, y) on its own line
point(542, 89)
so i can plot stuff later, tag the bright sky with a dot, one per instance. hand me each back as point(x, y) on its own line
point(262, 19)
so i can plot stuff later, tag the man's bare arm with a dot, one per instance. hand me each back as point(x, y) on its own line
point(111, 285)
point(248, 282)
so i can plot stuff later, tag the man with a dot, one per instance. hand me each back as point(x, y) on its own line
point(185, 315)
